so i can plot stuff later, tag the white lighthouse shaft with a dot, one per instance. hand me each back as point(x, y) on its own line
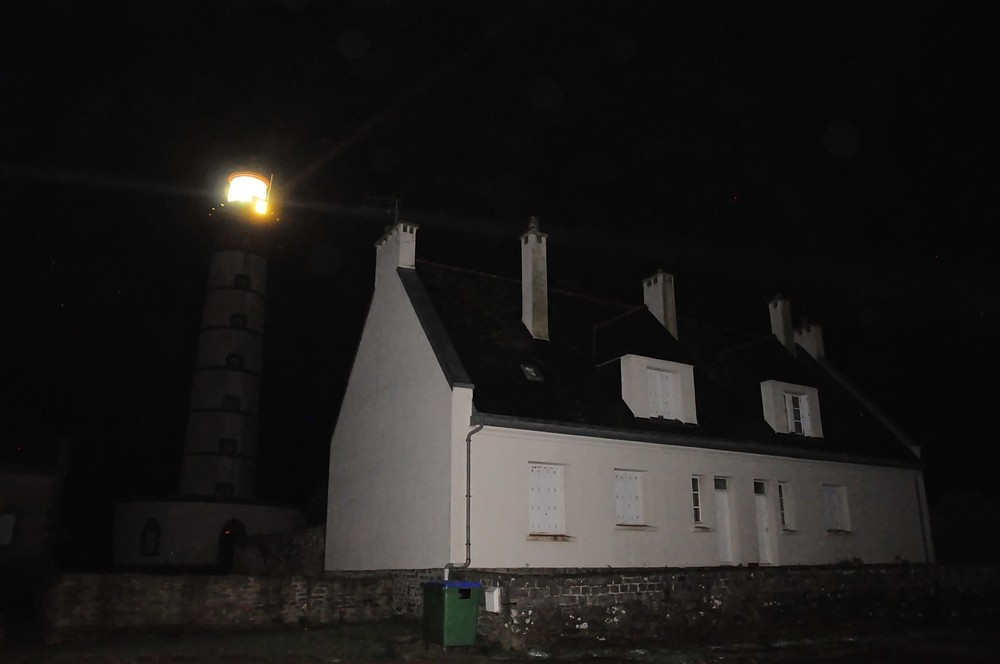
point(221, 444)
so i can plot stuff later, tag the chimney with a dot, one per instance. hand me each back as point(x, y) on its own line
point(658, 295)
point(396, 248)
point(810, 337)
point(780, 309)
point(534, 282)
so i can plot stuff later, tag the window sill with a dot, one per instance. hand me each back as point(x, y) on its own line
point(789, 531)
point(701, 528)
point(549, 538)
point(634, 526)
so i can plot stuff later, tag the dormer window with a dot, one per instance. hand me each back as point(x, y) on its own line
point(659, 389)
point(790, 408)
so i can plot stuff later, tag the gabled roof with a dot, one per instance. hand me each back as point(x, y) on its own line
point(473, 322)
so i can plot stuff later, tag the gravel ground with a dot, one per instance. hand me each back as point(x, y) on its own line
point(402, 642)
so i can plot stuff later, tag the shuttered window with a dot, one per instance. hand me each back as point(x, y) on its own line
point(662, 386)
point(546, 500)
point(835, 508)
point(629, 508)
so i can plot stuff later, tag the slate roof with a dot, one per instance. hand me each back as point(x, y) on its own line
point(473, 322)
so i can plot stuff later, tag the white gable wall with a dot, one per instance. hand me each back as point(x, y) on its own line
point(885, 506)
point(390, 499)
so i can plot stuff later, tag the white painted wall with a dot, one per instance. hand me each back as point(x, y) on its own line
point(885, 506)
point(33, 500)
point(391, 473)
point(189, 530)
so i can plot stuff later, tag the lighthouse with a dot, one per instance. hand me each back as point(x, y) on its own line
point(220, 447)
point(215, 509)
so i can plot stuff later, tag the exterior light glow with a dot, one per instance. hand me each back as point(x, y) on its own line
point(249, 188)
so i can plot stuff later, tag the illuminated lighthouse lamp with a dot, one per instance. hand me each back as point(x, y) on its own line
point(249, 188)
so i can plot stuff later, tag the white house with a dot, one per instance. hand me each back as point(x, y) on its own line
point(493, 423)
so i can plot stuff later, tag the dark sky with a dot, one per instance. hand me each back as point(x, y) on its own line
point(837, 154)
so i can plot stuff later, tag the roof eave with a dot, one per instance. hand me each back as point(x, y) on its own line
point(684, 440)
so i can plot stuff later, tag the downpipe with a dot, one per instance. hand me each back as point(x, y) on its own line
point(468, 504)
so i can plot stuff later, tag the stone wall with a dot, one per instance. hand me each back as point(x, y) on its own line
point(540, 607)
point(296, 552)
point(408, 592)
point(85, 604)
point(728, 604)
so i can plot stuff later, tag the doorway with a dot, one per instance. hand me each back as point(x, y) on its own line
point(723, 521)
point(233, 532)
point(764, 544)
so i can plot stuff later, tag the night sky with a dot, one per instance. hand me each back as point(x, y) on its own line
point(835, 154)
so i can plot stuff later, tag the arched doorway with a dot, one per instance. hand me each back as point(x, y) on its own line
point(233, 532)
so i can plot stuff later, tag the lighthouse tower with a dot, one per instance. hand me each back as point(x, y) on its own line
point(221, 444)
point(215, 510)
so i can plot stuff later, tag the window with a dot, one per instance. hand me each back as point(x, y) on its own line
point(546, 500)
point(790, 408)
point(836, 515)
point(234, 361)
point(230, 402)
point(245, 242)
point(223, 489)
point(696, 499)
point(7, 522)
point(721, 484)
point(238, 321)
point(532, 373)
point(785, 506)
point(241, 281)
point(227, 446)
point(662, 386)
point(149, 539)
point(628, 498)
point(654, 388)
point(797, 413)
point(759, 488)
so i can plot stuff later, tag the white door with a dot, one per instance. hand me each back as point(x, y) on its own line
point(722, 521)
point(763, 523)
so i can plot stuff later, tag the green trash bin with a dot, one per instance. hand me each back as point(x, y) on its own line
point(451, 609)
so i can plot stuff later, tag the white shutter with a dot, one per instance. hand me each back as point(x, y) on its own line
point(661, 393)
point(628, 497)
point(834, 499)
point(545, 499)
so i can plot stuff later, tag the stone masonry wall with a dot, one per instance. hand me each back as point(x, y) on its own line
point(84, 604)
point(298, 552)
point(728, 604)
point(540, 607)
